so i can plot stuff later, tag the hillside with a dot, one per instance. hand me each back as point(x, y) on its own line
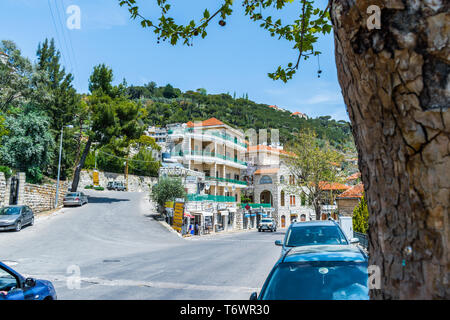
point(169, 105)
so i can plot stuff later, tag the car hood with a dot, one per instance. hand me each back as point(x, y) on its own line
point(9, 218)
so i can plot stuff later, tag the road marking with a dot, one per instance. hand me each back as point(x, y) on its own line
point(152, 284)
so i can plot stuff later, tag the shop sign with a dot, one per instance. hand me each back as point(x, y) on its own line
point(178, 214)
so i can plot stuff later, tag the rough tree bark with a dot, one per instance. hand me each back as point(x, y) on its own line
point(76, 175)
point(395, 82)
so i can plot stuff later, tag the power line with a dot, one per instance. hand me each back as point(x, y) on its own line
point(71, 47)
point(63, 34)
point(56, 29)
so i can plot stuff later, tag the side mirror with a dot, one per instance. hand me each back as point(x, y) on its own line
point(278, 243)
point(254, 296)
point(30, 282)
point(354, 240)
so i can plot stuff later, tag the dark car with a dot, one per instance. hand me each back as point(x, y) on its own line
point(311, 233)
point(75, 199)
point(323, 272)
point(13, 286)
point(15, 217)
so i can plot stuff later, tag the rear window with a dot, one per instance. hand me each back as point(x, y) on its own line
point(266, 220)
point(72, 194)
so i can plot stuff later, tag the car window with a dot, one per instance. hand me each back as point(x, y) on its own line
point(318, 281)
point(7, 281)
point(314, 235)
point(9, 211)
point(266, 220)
point(72, 194)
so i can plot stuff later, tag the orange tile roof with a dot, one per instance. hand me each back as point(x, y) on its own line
point(267, 171)
point(273, 107)
point(206, 123)
point(354, 192)
point(323, 185)
point(354, 176)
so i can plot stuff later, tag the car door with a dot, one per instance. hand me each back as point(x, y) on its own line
point(9, 286)
point(29, 214)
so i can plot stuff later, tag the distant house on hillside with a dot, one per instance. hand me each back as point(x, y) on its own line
point(299, 114)
point(3, 57)
point(274, 107)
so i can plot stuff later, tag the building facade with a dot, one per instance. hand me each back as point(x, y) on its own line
point(270, 185)
point(218, 151)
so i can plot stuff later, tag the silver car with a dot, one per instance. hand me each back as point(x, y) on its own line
point(75, 199)
point(15, 217)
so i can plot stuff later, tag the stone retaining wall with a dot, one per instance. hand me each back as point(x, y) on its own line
point(3, 199)
point(42, 197)
point(135, 183)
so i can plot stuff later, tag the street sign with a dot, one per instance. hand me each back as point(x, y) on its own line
point(178, 214)
point(247, 207)
point(95, 178)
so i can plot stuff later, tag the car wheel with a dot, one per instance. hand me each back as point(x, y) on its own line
point(259, 230)
point(18, 226)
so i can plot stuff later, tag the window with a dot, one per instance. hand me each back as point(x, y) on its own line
point(291, 179)
point(265, 180)
point(282, 198)
point(292, 200)
point(281, 179)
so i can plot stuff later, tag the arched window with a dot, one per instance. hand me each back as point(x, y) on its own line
point(282, 198)
point(265, 180)
point(281, 179)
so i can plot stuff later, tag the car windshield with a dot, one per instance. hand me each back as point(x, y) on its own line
point(73, 194)
point(266, 220)
point(318, 281)
point(9, 211)
point(314, 235)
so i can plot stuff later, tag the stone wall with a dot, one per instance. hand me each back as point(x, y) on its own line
point(42, 197)
point(4, 200)
point(135, 183)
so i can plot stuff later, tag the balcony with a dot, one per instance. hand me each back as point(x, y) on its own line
point(208, 133)
point(210, 197)
point(183, 153)
point(244, 183)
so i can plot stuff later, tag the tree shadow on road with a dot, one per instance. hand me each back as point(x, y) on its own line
point(92, 199)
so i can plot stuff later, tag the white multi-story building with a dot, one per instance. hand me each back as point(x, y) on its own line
point(218, 151)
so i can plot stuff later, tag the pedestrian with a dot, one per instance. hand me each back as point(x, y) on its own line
point(196, 228)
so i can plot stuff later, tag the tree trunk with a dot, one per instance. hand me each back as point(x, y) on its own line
point(76, 175)
point(395, 83)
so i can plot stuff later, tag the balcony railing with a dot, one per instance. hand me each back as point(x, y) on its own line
point(218, 134)
point(210, 197)
point(244, 183)
point(181, 153)
point(256, 205)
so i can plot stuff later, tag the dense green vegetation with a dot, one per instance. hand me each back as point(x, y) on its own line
point(238, 112)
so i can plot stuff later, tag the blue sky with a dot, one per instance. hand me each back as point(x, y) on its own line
point(234, 58)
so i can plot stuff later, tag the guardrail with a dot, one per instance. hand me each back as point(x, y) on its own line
point(363, 239)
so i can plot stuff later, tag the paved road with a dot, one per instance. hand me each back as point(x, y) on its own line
point(122, 253)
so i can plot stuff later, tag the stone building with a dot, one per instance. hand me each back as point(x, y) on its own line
point(270, 186)
point(349, 199)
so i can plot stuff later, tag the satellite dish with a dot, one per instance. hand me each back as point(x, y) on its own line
point(207, 186)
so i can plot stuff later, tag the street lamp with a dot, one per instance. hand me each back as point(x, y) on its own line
point(59, 164)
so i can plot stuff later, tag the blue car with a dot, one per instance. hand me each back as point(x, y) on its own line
point(321, 272)
point(13, 286)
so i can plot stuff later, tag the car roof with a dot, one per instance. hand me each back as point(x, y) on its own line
point(314, 223)
point(325, 253)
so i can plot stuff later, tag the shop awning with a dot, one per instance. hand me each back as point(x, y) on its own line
point(232, 209)
point(207, 214)
point(187, 214)
point(223, 212)
point(247, 215)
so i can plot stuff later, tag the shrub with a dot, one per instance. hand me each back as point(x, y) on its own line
point(7, 171)
point(99, 188)
point(361, 217)
point(167, 189)
point(89, 187)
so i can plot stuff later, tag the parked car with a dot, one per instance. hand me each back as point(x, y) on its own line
point(114, 185)
point(14, 286)
point(326, 232)
point(15, 217)
point(267, 224)
point(321, 272)
point(75, 199)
